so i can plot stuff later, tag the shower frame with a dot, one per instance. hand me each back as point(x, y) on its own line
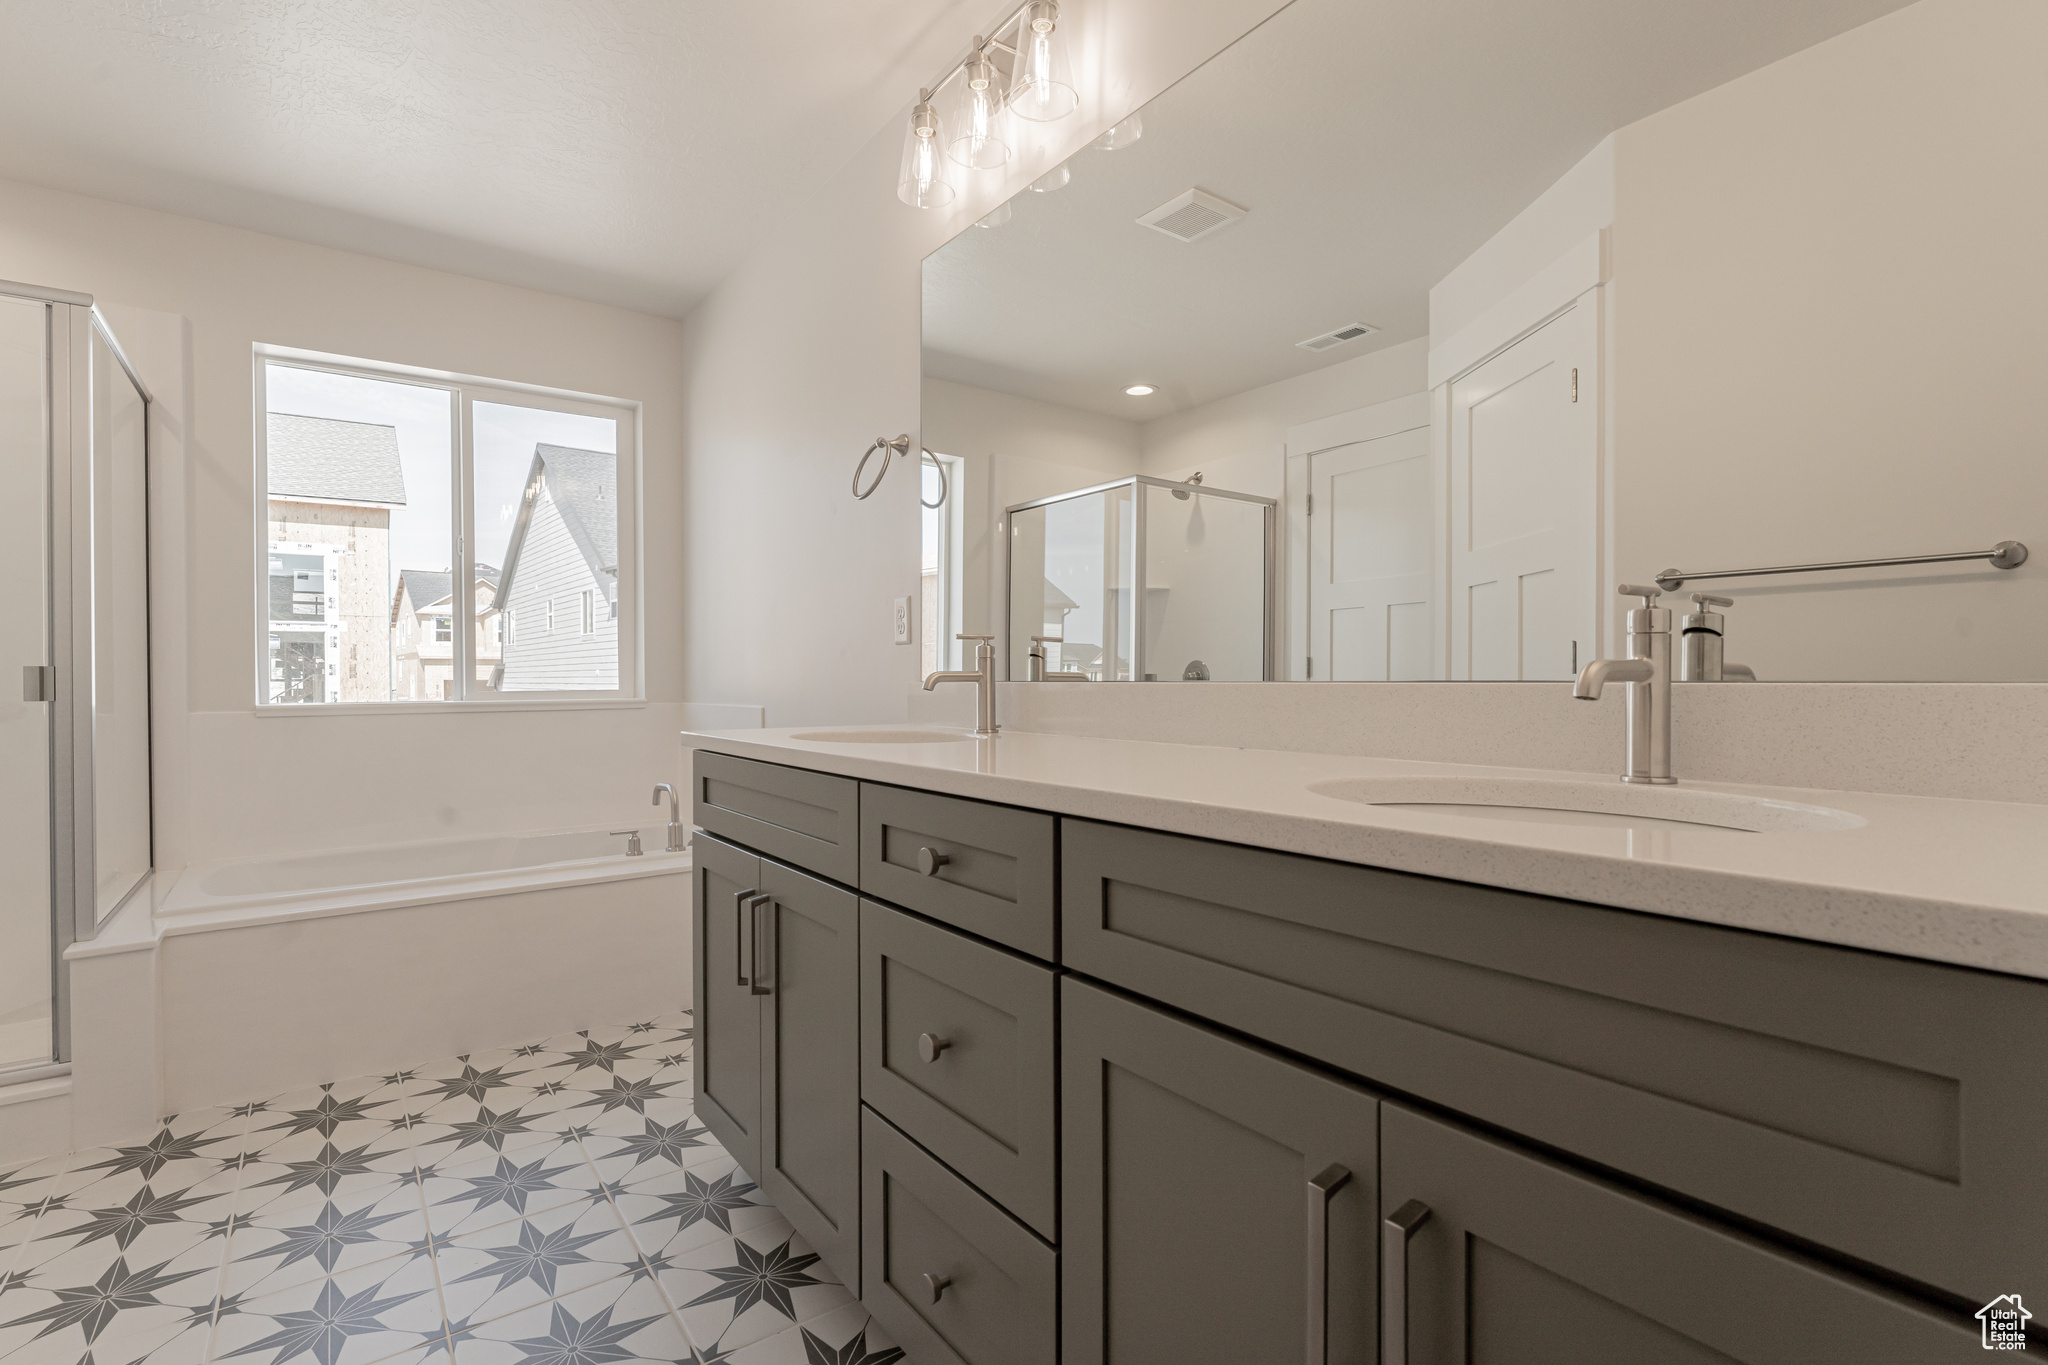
point(1270, 644)
point(71, 321)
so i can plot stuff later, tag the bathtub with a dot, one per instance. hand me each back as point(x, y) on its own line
point(281, 972)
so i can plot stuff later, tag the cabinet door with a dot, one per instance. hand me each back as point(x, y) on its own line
point(1523, 1262)
point(728, 1043)
point(810, 1061)
point(1218, 1202)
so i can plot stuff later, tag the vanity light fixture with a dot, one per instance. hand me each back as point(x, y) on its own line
point(981, 97)
point(1042, 84)
point(1120, 135)
point(978, 137)
point(1054, 179)
point(921, 182)
point(1141, 391)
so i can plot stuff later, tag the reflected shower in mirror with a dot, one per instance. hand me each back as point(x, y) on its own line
point(1500, 309)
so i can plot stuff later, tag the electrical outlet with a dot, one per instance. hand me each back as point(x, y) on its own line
point(902, 620)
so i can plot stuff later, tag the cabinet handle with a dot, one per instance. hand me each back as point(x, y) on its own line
point(757, 905)
point(930, 860)
point(1320, 1187)
point(937, 1284)
point(1395, 1230)
point(740, 933)
point(930, 1045)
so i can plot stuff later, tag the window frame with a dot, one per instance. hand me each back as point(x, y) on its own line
point(470, 693)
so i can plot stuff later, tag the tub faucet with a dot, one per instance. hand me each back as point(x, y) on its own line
point(675, 817)
point(1647, 671)
point(632, 841)
point(1037, 670)
point(984, 679)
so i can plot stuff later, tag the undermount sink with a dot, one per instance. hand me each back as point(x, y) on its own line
point(882, 736)
point(1611, 805)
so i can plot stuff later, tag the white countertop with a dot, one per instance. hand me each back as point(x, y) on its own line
point(1950, 881)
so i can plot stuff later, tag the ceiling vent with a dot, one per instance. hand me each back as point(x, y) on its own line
point(1350, 331)
point(1189, 216)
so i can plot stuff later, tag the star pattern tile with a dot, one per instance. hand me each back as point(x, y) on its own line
point(525, 1205)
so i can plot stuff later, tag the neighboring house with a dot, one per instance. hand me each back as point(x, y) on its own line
point(423, 612)
point(332, 487)
point(560, 591)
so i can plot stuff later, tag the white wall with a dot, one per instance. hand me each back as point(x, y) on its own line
point(1579, 203)
point(1830, 346)
point(1239, 442)
point(809, 351)
point(329, 781)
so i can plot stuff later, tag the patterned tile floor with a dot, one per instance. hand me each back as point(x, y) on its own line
point(552, 1204)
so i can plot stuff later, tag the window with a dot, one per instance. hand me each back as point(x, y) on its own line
point(396, 497)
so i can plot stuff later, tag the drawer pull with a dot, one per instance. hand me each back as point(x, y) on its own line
point(929, 1046)
point(930, 860)
point(936, 1283)
point(1320, 1187)
point(1395, 1230)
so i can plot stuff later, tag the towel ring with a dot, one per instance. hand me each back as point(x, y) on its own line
point(899, 446)
point(940, 466)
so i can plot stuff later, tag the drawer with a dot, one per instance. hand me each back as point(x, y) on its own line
point(954, 1279)
point(1887, 1108)
point(997, 879)
point(980, 1093)
point(806, 818)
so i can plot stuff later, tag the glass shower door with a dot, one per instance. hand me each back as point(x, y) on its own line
point(27, 980)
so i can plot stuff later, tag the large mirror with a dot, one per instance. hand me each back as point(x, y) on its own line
point(1390, 342)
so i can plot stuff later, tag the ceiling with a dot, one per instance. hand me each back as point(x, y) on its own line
point(629, 151)
point(1377, 143)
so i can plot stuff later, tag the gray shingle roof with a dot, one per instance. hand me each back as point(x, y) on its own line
point(427, 586)
point(323, 457)
point(585, 487)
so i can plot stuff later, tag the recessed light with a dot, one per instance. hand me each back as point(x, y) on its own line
point(1139, 390)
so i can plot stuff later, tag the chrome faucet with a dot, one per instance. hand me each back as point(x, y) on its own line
point(1700, 635)
point(675, 817)
point(984, 679)
point(1037, 671)
point(1647, 671)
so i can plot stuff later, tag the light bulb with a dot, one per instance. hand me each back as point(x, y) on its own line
point(979, 137)
point(921, 182)
point(1041, 84)
point(1140, 390)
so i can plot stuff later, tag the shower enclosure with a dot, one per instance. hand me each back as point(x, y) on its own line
point(1145, 579)
point(75, 838)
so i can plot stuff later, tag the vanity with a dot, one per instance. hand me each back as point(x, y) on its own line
point(1051, 1072)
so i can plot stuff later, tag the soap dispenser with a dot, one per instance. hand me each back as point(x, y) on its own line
point(1699, 654)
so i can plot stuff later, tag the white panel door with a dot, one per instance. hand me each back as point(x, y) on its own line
point(1369, 536)
point(1524, 484)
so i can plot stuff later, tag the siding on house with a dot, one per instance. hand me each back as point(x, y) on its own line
point(558, 553)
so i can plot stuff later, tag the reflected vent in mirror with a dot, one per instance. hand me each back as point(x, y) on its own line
point(1350, 331)
point(1194, 214)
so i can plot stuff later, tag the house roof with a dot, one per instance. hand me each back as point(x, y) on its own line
point(324, 457)
point(426, 587)
point(584, 486)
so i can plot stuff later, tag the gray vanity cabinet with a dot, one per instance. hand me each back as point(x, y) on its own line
point(778, 975)
point(1218, 1202)
point(805, 818)
point(984, 868)
point(1522, 1262)
point(727, 1047)
point(957, 1050)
